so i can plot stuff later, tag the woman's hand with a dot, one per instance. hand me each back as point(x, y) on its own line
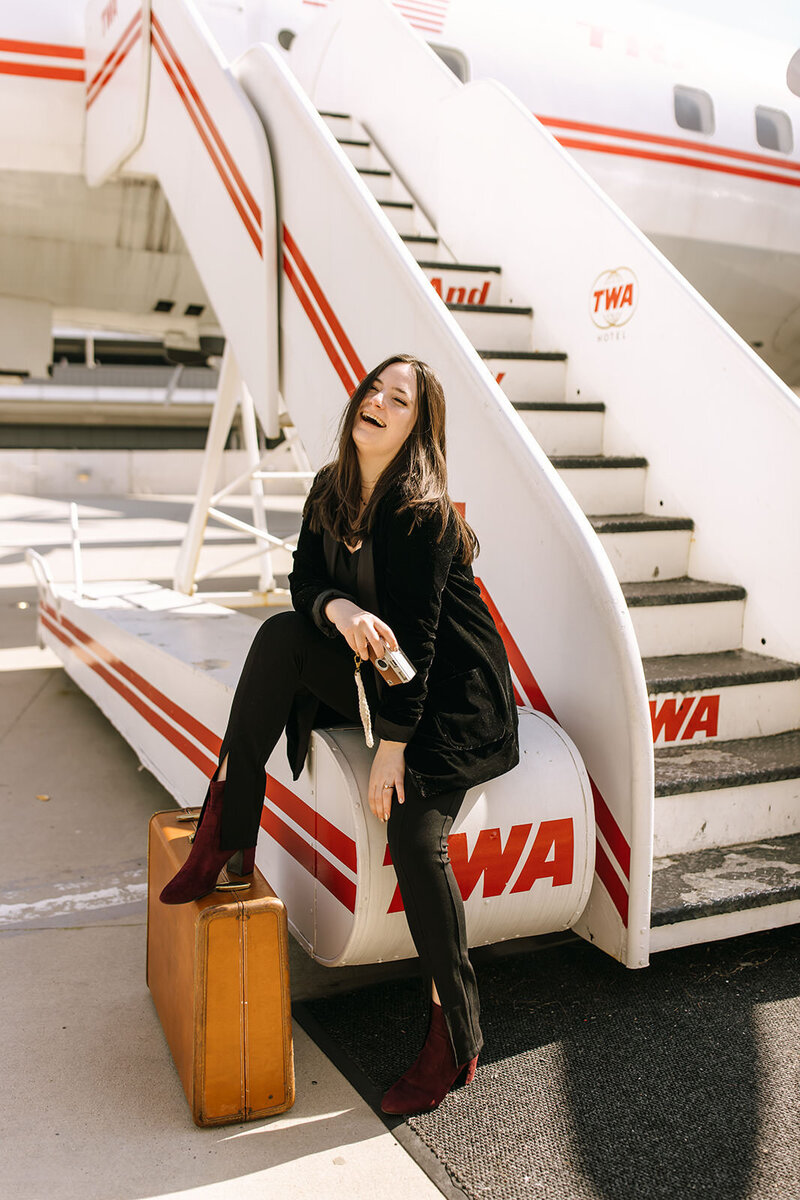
point(387, 777)
point(360, 629)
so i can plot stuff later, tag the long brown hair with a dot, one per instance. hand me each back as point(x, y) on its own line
point(418, 472)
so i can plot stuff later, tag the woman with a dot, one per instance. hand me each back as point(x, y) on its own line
point(382, 560)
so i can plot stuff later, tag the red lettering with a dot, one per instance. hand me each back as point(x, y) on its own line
point(456, 295)
point(500, 377)
point(488, 859)
point(597, 296)
point(436, 284)
point(627, 295)
point(669, 717)
point(556, 837)
point(704, 719)
point(612, 296)
point(479, 295)
point(108, 14)
point(596, 34)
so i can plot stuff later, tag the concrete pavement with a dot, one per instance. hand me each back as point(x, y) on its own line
point(93, 1107)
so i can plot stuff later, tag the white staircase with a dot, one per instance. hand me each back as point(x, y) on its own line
point(726, 721)
point(468, 167)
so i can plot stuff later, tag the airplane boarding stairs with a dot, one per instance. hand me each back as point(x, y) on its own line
point(725, 720)
point(311, 285)
point(161, 665)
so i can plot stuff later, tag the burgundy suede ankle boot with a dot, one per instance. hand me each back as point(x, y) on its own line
point(425, 1084)
point(199, 873)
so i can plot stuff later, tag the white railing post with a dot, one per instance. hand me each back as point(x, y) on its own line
point(76, 548)
point(266, 579)
point(228, 395)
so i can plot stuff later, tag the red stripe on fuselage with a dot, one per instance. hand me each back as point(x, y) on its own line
point(676, 159)
point(34, 71)
point(664, 140)
point(45, 49)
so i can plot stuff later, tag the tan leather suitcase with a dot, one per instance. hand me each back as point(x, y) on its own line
point(218, 971)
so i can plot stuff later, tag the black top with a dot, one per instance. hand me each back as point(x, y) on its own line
point(345, 571)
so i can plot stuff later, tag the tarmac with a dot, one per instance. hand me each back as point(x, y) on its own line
point(92, 1104)
point(93, 1107)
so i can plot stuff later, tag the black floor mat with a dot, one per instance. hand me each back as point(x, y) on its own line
point(598, 1083)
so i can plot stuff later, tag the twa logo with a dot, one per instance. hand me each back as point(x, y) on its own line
point(694, 716)
point(459, 295)
point(550, 857)
point(614, 297)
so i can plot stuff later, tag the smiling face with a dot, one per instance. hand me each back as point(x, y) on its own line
point(386, 416)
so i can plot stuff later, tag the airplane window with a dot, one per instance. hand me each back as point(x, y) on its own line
point(454, 59)
point(774, 129)
point(285, 38)
point(694, 109)
point(793, 74)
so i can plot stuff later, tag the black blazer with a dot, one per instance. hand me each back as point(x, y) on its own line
point(458, 715)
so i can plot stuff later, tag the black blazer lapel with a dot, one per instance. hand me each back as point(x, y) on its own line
point(329, 549)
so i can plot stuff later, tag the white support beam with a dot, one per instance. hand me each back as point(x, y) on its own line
point(228, 394)
point(266, 579)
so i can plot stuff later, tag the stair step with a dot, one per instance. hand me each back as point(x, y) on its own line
point(460, 266)
point(685, 616)
point(642, 547)
point(465, 283)
point(506, 326)
point(604, 483)
point(405, 216)
point(341, 124)
point(526, 375)
point(738, 763)
point(655, 592)
point(384, 184)
point(713, 794)
point(426, 245)
point(638, 523)
point(564, 429)
point(732, 695)
point(723, 892)
point(592, 462)
point(560, 406)
point(731, 668)
point(363, 153)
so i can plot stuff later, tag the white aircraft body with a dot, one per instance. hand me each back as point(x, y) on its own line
point(690, 126)
point(272, 171)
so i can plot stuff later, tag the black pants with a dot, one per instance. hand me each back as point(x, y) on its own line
point(288, 655)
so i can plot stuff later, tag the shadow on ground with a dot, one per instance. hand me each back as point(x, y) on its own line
point(600, 1083)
